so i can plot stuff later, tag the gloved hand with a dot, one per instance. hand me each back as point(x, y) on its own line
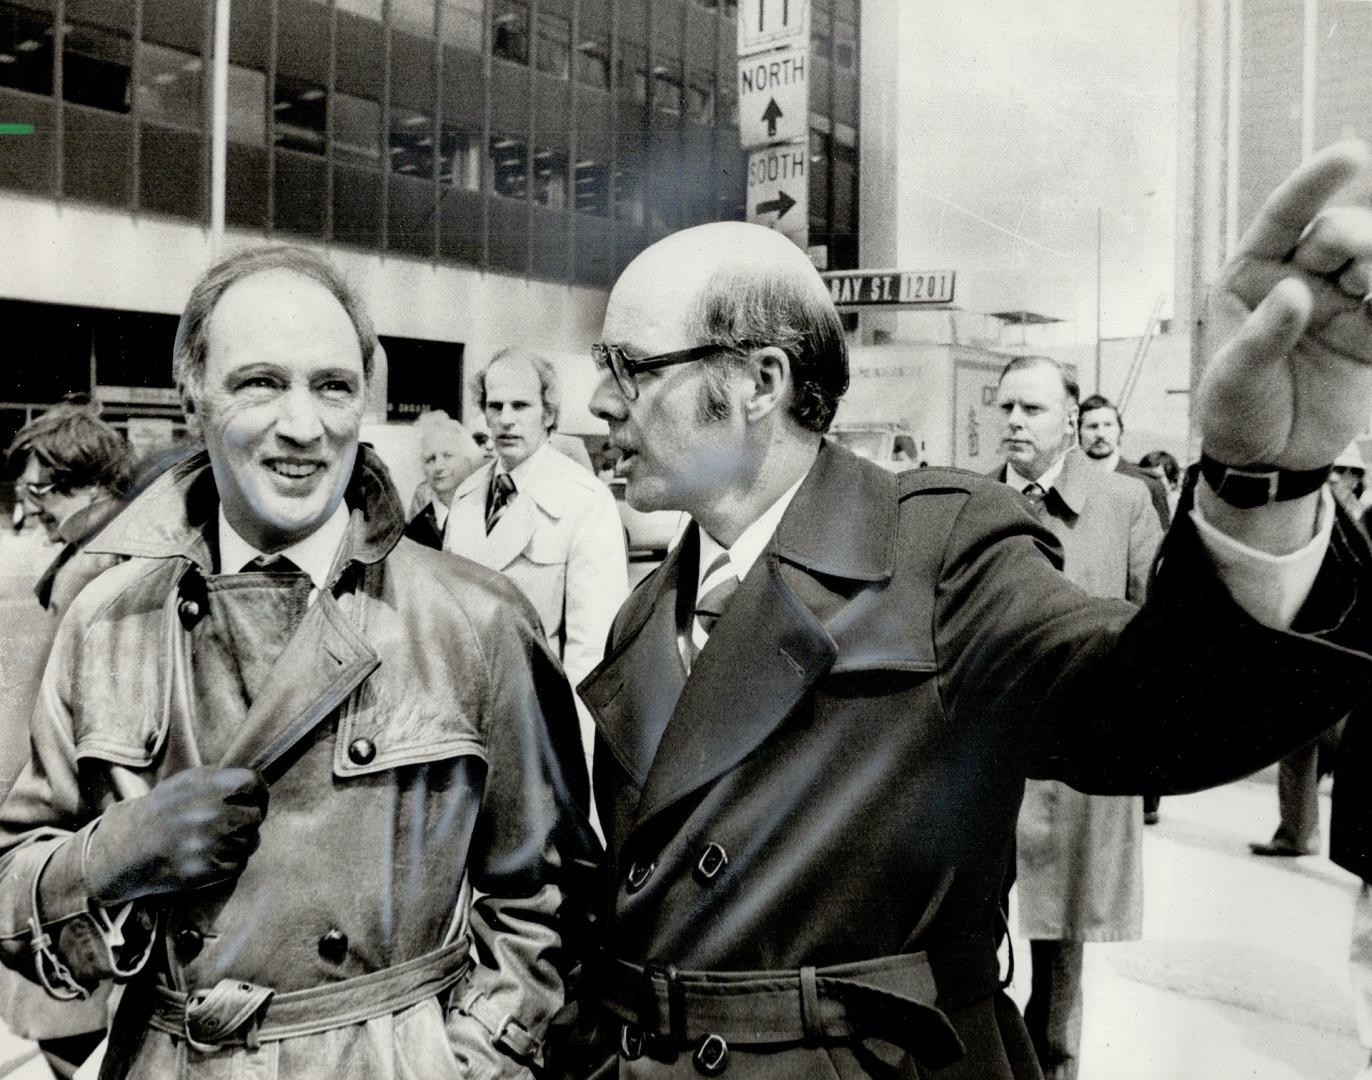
point(192, 829)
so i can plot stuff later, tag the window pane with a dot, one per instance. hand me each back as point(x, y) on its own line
point(510, 30)
point(416, 16)
point(700, 97)
point(462, 23)
point(845, 45)
point(593, 188)
point(460, 164)
point(509, 166)
point(554, 44)
point(412, 143)
point(356, 129)
point(25, 50)
point(819, 178)
point(95, 68)
point(550, 179)
point(632, 69)
point(247, 105)
point(368, 9)
point(169, 86)
point(592, 61)
point(299, 109)
point(628, 195)
point(667, 85)
point(727, 106)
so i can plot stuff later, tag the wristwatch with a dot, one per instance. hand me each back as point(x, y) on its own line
point(1249, 486)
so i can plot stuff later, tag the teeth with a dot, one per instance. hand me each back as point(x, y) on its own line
point(290, 468)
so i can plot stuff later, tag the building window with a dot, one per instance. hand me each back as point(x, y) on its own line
point(510, 30)
point(299, 110)
point(631, 69)
point(550, 179)
point(592, 62)
point(95, 68)
point(727, 104)
point(819, 179)
point(845, 45)
point(592, 179)
point(247, 105)
point(462, 24)
point(700, 97)
point(667, 85)
point(356, 130)
point(554, 44)
point(25, 50)
point(460, 158)
point(509, 166)
point(414, 16)
point(169, 83)
point(412, 142)
point(367, 9)
point(628, 195)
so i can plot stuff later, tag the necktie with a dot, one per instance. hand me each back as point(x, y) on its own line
point(1035, 493)
point(270, 564)
point(716, 588)
point(502, 491)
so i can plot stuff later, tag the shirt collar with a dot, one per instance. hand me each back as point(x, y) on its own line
point(745, 550)
point(521, 471)
point(440, 512)
point(1050, 476)
point(314, 555)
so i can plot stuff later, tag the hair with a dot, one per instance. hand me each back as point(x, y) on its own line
point(744, 309)
point(192, 333)
point(1100, 401)
point(1069, 377)
point(547, 381)
point(437, 433)
point(77, 448)
point(1155, 459)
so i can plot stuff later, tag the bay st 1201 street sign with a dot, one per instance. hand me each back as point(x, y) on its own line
point(772, 24)
point(773, 97)
point(891, 288)
point(779, 188)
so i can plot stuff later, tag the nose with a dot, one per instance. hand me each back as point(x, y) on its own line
point(299, 420)
point(607, 403)
point(1015, 417)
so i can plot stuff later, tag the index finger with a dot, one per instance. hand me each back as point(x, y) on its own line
point(1290, 209)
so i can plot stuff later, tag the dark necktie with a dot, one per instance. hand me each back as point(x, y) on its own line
point(270, 564)
point(718, 585)
point(502, 491)
point(1035, 493)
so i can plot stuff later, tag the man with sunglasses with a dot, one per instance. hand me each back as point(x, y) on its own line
point(815, 720)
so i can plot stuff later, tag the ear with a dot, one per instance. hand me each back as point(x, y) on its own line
point(190, 407)
point(769, 382)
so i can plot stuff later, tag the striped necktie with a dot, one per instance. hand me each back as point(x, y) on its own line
point(502, 491)
point(716, 588)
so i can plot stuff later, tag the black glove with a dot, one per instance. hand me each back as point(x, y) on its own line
point(192, 829)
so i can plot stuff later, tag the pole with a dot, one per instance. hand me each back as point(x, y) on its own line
point(1098, 245)
point(219, 116)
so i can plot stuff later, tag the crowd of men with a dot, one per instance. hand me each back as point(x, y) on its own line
point(308, 775)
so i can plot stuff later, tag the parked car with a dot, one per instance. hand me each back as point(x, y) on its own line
point(648, 533)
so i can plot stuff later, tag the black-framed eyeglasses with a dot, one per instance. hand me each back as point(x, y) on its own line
point(625, 369)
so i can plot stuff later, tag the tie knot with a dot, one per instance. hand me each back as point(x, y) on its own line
point(716, 587)
point(1034, 492)
point(270, 564)
point(504, 484)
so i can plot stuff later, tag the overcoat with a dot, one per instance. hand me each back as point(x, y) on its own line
point(1080, 857)
point(807, 837)
point(401, 914)
point(1350, 818)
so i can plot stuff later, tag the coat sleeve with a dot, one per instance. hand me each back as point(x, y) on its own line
point(1185, 693)
point(531, 846)
point(51, 929)
point(1145, 536)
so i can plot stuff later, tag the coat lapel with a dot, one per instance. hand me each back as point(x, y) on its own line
point(467, 524)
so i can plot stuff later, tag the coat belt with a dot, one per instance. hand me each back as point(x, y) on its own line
point(900, 999)
point(235, 1013)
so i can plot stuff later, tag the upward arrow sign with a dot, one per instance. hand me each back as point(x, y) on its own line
point(770, 116)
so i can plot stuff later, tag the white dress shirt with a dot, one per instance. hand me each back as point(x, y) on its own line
point(314, 555)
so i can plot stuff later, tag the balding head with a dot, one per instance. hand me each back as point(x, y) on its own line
point(741, 287)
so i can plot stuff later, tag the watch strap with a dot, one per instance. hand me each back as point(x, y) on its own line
point(1249, 486)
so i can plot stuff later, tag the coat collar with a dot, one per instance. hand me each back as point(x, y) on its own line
point(175, 517)
point(1074, 482)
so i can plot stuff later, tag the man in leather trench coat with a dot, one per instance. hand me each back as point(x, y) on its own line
point(394, 909)
point(816, 718)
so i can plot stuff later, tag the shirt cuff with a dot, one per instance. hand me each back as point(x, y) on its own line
point(1270, 588)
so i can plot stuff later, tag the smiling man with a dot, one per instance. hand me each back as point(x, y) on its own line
point(272, 632)
point(816, 718)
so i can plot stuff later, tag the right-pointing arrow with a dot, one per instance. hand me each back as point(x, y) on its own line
point(778, 206)
point(770, 116)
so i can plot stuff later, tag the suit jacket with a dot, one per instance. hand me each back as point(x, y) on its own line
point(855, 735)
point(423, 528)
point(1350, 822)
point(561, 541)
point(1156, 491)
point(1080, 857)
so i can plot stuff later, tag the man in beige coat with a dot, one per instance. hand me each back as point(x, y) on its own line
point(555, 531)
point(1080, 857)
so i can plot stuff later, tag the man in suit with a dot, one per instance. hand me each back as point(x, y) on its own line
point(1079, 857)
point(542, 520)
point(448, 455)
point(1101, 428)
point(816, 717)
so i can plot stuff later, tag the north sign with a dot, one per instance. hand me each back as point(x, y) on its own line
point(773, 97)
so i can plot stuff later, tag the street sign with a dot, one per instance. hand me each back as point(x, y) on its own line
point(779, 189)
point(772, 24)
point(906, 288)
point(773, 97)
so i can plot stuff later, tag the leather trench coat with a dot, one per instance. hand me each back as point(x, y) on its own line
point(421, 748)
point(806, 837)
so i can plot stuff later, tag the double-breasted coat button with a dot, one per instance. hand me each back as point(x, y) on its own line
point(333, 946)
point(361, 751)
point(712, 860)
point(188, 942)
point(711, 1056)
point(630, 1042)
point(638, 875)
